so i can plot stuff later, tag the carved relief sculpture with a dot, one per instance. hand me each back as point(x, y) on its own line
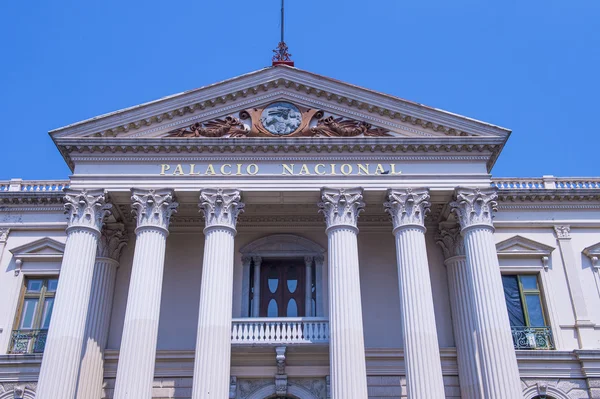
point(280, 119)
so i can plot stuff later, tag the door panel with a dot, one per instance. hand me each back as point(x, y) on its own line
point(282, 288)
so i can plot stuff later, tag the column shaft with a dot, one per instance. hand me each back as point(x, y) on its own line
point(213, 342)
point(421, 348)
point(62, 354)
point(499, 370)
point(256, 293)
point(461, 304)
point(221, 208)
point(308, 287)
point(91, 374)
point(137, 355)
point(346, 342)
point(497, 359)
point(341, 208)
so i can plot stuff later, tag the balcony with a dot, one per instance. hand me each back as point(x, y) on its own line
point(532, 338)
point(280, 331)
point(28, 341)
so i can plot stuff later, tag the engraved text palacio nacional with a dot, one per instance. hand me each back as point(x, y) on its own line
point(285, 235)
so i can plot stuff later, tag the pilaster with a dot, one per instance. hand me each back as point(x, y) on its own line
point(220, 208)
point(135, 371)
point(407, 208)
point(86, 210)
point(91, 375)
point(499, 371)
point(341, 208)
point(586, 335)
point(4, 232)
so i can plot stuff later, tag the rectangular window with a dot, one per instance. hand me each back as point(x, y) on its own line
point(526, 312)
point(33, 315)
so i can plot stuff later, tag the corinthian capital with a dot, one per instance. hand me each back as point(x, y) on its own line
point(407, 207)
point(112, 241)
point(221, 207)
point(86, 208)
point(341, 207)
point(4, 231)
point(475, 206)
point(451, 241)
point(153, 208)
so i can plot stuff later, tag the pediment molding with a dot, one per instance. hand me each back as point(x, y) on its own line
point(520, 247)
point(42, 250)
point(275, 83)
point(593, 252)
point(282, 245)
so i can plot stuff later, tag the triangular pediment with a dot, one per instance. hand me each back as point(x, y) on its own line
point(592, 251)
point(326, 107)
point(44, 248)
point(521, 246)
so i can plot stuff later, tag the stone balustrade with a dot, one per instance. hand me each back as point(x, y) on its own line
point(547, 183)
point(279, 330)
point(19, 185)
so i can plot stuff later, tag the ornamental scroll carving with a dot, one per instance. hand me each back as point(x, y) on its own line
point(475, 206)
point(112, 241)
point(86, 208)
point(451, 241)
point(153, 208)
point(341, 207)
point(221, 207)
point(408, 207)
point(251, 123)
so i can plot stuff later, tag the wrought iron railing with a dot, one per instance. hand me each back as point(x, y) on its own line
point(532, 338)
point(280, 330)
point(28, 341)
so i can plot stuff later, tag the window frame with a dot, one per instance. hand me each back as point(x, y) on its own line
point(523, 293)
point(41, 296)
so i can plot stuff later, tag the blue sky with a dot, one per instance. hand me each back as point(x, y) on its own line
point(531, 66)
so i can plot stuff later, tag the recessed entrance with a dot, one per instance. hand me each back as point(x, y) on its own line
point(283, 288)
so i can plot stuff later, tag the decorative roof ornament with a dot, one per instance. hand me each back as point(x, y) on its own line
point(282, 55)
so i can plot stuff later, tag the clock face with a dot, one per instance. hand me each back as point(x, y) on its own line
point(281, 118)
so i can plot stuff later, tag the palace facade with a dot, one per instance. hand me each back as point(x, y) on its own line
point(285, 235)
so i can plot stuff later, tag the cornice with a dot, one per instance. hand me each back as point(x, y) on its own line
point(31, 198)
point(490, 146)
point(294, 80)
point(507, 197)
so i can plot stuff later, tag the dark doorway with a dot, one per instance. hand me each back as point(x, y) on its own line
point(282, 290)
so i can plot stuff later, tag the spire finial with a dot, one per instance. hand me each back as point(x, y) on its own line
point(282, 56)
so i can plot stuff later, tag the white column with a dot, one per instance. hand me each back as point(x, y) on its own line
point(407, 208)
point(137, 356)
point(341, 208)
point(256, 260)
point(221, 208)
point(308, 261)
point(497, 358)
point(320, 308)
point(463, 313)
point(91, 374)
point(62, 354)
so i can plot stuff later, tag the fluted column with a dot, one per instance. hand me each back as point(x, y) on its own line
point(407, 208)
point(137, 356)
point(91, 374)
point(221, 208)
point(498, 362)
point(463, 313)
point(257, 261)
point(341, 208)
point(62, 354)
